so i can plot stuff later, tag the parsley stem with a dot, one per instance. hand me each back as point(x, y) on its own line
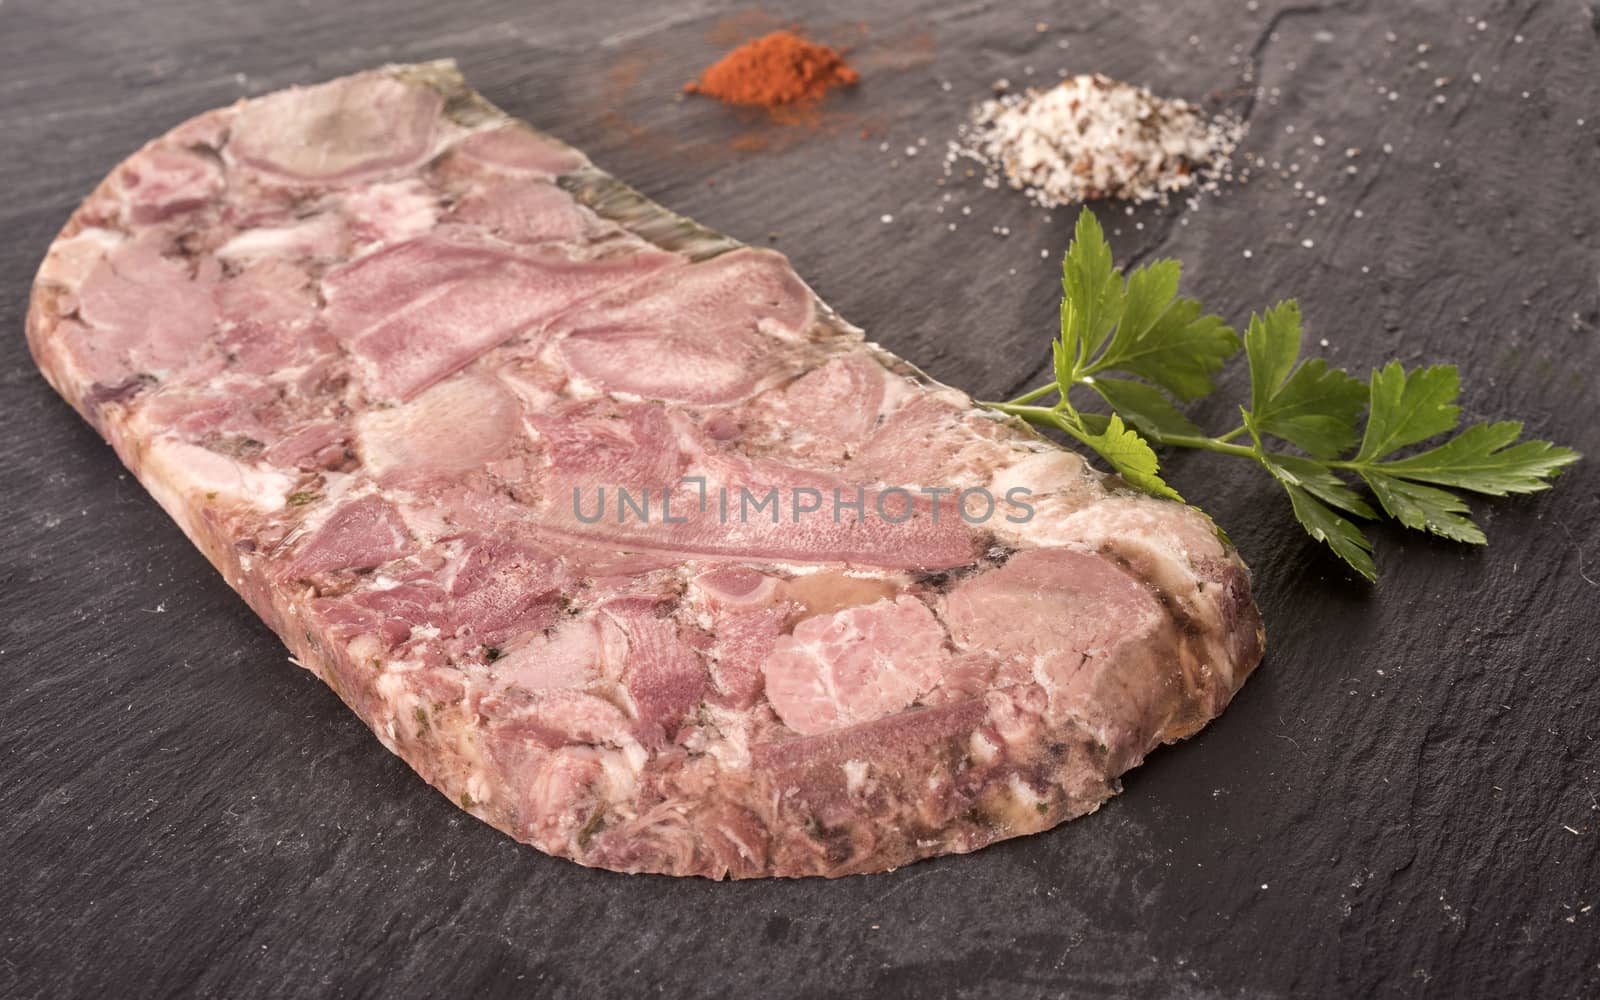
point(1029, 397)
point(1034, 414)
point(1049, 417)
point(1232, 434)
point(1219, 445)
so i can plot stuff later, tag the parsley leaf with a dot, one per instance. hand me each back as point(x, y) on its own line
point(1091, 291)
point(1318, 480)
point(1425, 508)
point(1408, 407)
point(1484, 458)
point(1128, 453)
point(1323, 524)
point(1312, 406)
point(1145, 407)
point(1147, 295)
point(1313, 493)
point(1272, 345)
point(1180, 350)
point(1136, 325)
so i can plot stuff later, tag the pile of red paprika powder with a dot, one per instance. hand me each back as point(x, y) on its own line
point(778, 69)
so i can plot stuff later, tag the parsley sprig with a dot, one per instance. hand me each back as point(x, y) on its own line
point(1142, 349)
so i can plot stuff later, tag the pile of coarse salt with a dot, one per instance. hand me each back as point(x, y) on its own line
point(1093, 137)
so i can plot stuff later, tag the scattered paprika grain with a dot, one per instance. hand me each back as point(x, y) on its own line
point(774, 70)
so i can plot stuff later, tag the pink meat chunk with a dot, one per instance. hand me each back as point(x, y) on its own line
point(142, 312)
point(520, 211)
point(700, 335)
point(419, 310)
point(361, 534)
point(569, 656)
point(455, 426)
point(338, 131)
point(1077, 605)
point(663, 675)
point(518, 149)
point(169, 181)
point(744, 645)
point(853, 666)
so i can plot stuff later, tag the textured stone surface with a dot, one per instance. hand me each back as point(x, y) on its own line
point(182, 810)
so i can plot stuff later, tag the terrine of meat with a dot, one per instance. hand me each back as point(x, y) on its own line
point(602, 521)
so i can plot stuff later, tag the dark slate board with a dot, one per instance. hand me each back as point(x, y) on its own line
point(1403, 801)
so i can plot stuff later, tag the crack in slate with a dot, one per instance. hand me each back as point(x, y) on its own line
point(1258, 50)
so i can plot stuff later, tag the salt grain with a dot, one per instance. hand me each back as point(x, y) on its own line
point(1093, 137)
